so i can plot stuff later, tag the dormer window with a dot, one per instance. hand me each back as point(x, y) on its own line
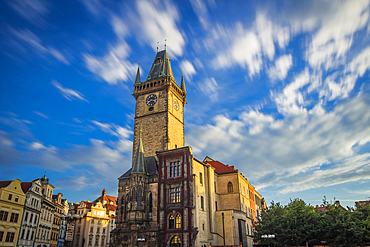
point(158, 61)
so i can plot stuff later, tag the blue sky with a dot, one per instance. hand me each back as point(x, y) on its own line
point(280, 89)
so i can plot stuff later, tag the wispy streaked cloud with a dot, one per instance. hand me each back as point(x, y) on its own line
point(188, 69)
point(33, 11)
point(41, 114)
point(280, 70)
point(35, 42)
point(68, 93)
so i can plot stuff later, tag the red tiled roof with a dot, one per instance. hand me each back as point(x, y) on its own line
point(4, 183)
point(111, 207)
point(365, 203)
point(26, 186)
point(221, 168)
point(106, 198)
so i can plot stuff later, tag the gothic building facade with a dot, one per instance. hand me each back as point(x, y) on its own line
point(168, 197)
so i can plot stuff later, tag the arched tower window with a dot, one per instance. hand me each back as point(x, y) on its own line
point(175, 242)
point(178, 221)
point(171, 222)
point(229, 187)
point(150, 202)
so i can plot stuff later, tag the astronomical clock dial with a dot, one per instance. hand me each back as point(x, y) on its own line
point(175, 104)
point(151, 100)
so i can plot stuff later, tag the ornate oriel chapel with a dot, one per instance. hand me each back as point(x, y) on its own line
point(169, 197)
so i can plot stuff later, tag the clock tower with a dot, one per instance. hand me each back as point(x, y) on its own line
point(159, 110)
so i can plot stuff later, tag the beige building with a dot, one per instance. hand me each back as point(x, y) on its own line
point(47, 214)
point(31, 215)
point(12, 199)
point(97, 219)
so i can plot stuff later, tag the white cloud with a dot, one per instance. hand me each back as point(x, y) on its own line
point(284, 159)
point(188, 69)
point(31, 39)
point(291, 100)
point(37, 145)
point(209, 87)
point(281, 68)
point(161, 24)
point(41, 114)
point(335, 36)
point(114, 66)
point(201, 11)
point(33, 10)
point(68, 93)
point(250, 46)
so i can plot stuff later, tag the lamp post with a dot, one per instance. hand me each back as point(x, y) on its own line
point(268, 238)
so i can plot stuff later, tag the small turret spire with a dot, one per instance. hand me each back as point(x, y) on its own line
point(139, 162)
point(183, 83)
point(137, 79)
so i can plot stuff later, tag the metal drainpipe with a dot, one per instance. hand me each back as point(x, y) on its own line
point(223, 226)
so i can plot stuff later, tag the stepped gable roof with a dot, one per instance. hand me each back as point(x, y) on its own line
point(26, 186)
point(161, 66)
point(151, 167)
point(4, 184)
point(220, 167)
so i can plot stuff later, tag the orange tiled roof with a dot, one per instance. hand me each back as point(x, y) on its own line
point(221, 168)
point(111, 207)
point(106, 198)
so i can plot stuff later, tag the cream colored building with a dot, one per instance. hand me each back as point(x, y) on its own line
point(31, 215)
point(47, 214)
point(12, 199)
point(97, 220)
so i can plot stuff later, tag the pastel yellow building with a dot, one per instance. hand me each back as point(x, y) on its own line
point(12, 201)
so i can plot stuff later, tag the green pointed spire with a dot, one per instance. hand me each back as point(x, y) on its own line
point(137, 80)
point(139, 162)
point(183, 83)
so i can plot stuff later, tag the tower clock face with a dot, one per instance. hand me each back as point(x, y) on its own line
point(176, 104)
point(151, 100)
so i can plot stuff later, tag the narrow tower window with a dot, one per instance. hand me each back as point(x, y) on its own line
point(229, 187)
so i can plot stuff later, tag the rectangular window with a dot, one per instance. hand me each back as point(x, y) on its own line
point(3, 215)
point(79, 229)
point(102, 241)
point(91, 229)
point(16, 199)
point(14, 218)
point(32, 235)
point(90, 240)
point(9, 198)
point(202, 202)
point(96, 241)
point(9, 237)
point(175, 195)
point(31, 217)
point(201, 178)
point(98, 230)
point(28, 234)
point(216, 205)
point(26, 216)
point(35, 219)
point(22, 236)
point(175, 169)
point(1, 236)
point(215, 187)
point(103, 230)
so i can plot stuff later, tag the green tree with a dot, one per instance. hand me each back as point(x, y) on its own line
point(298, 224)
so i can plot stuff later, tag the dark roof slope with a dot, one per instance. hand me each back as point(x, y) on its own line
point(26, 186)
point(151, 167)
point(4, 184)
point(161, 66)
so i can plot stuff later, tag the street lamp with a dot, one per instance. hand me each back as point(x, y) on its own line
point(268, 238)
